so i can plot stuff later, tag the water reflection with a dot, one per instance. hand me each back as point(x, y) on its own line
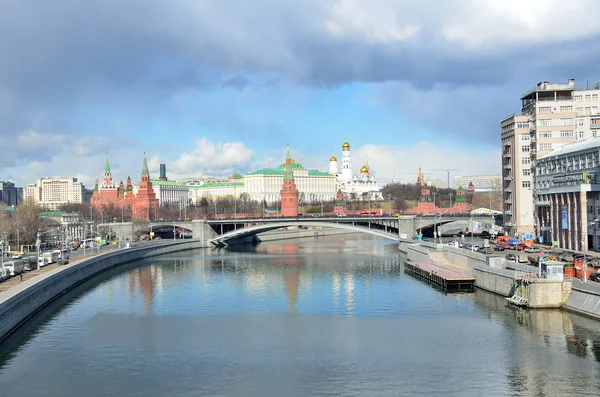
point(324, 317)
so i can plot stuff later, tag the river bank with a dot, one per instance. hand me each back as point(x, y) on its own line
point(575, 296)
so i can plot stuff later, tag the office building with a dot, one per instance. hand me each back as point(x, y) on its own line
point(552, 115)
point(10, 194)
point(568, 195)
point(51, 193)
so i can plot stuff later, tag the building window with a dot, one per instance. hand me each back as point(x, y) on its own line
point(525, 137)
point(526, 160)
point(522, 124)
point(545, 109)
point(577, 98)
point(566, 109)
point(545, 146)
point(545, 123)
point(526, 184)
point(545, 134)
point(526, 172)
point(566, 134)
point(567, 122)
point(594, 97)
point(580, 134)
point(524, 149)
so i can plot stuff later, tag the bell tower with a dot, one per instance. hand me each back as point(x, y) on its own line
point(289, 192)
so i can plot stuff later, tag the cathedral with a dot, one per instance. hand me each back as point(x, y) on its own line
point(143, 203)
point(361, 188)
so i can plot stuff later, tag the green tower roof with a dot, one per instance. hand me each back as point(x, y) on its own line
point(106, 165)
point(145, 166)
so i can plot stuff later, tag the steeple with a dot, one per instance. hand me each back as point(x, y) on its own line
point(288, 172)
point(420, 178)
point(145, 166)
point(106, 165)
point(96, 185)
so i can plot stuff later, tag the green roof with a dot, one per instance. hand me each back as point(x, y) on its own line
point(52, 213)
point(106, 165)
point(280, 171)
point(145, 166)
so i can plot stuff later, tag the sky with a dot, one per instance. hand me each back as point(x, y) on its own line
point(215, 87)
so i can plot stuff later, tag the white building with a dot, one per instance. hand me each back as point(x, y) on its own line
point(314, 186)
point(363, 187)
point(482, 183)
point(169, 193)
point(552, 115)
point(51, 193)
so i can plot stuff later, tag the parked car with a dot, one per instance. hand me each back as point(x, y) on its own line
point(532, 250)
point(594, 262)
point(498, 248)
point(595, 277)
point(566, 256)
point(511, 257)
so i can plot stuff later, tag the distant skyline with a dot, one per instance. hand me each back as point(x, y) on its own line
point(215, 87)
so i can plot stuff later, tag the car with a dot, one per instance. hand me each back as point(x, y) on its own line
point(511, 257)
point(17, 256)
point(595, 277)
point(498, 248)
point(532, 250)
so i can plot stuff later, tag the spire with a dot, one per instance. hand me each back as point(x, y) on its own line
point(106, 165)
point(145, 166)
point(288, 172)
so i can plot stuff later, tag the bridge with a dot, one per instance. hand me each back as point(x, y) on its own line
point(226, 230)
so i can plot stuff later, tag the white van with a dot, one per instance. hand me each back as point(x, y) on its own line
point(15, 267)
point(42, 262)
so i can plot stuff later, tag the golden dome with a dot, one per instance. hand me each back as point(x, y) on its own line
point(346, 145)
point(364, 169)
point(332, 158)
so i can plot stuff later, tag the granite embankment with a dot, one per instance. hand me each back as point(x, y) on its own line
point(582, 298)
point(22, 301)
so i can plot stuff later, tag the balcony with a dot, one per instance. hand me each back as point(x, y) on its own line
point(533, 138)
point(507, 166)
point(595, 126)
point(533, 152)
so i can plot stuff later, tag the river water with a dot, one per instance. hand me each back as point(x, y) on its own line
point(327, 317)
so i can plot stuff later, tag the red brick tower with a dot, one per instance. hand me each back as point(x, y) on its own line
point(289, 192)
point(145, 203)
point(339, 207)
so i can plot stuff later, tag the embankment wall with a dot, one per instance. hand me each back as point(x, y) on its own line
point(22, 301)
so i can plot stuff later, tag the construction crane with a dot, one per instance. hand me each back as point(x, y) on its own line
point(444, 169)
point(403, 173)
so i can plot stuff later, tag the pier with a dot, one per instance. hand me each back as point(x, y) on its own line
point(448, 279)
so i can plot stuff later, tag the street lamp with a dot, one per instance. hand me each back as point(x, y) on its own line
point(390, 203)
point(584, 248)
point(434, 219)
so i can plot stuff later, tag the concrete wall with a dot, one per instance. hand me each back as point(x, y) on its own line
point(498, 281)
point(548, 293)
point(583, 300)
point(21, 302)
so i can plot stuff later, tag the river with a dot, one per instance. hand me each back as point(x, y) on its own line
point(328, 317)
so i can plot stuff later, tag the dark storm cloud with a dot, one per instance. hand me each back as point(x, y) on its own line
point(56, 55)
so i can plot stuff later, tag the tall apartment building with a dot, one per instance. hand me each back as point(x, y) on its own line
point(51, 193)
point(552, 115)
point(10, 194)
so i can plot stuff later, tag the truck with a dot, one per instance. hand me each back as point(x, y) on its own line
point(50, 257)
point(14, 268)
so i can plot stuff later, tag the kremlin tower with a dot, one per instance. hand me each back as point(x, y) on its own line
point(145, 202)
point(289, 192)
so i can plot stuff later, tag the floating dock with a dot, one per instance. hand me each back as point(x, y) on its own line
point(447, 278)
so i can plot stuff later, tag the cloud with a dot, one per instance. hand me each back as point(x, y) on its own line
point(453, 65)
point(403, 162)
point(211, 159)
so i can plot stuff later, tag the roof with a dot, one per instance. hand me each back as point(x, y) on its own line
point(52, 213)
point(575, 147)
point(280, 171)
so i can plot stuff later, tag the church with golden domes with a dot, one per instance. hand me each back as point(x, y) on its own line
point(354, 187)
